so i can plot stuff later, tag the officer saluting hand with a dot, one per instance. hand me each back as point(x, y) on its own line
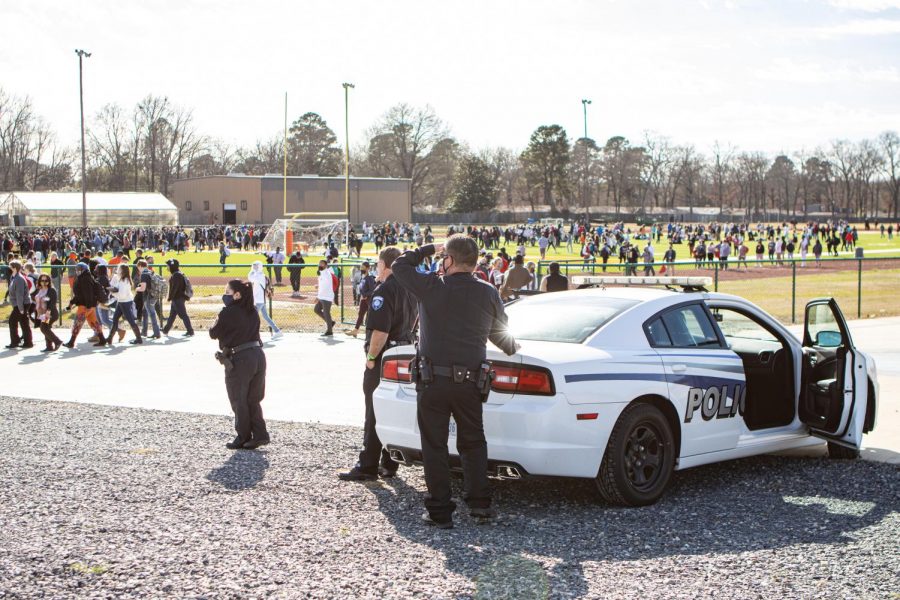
point(390, 322)
point(457, 315)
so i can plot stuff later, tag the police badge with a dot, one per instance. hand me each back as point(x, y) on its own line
point(377, 302)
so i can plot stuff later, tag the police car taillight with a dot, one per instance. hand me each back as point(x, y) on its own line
point(511, 379)
point(396, 369)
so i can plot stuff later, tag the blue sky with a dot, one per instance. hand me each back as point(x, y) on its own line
point(770, 76)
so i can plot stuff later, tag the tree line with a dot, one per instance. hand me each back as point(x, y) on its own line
point(154, 143)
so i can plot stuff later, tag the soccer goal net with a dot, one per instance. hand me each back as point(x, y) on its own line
point(306, 235)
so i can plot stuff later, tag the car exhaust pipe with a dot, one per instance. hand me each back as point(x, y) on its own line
point(508, 472)
point(397, 456)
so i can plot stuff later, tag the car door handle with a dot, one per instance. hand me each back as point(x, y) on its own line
point(679, 368)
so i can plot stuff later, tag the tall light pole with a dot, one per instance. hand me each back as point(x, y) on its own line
point(584, 104)
point(81, 54)
point(347, 87)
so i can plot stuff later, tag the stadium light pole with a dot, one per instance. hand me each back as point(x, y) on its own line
point(82, 54)
point(584, 105)
point(347, 87)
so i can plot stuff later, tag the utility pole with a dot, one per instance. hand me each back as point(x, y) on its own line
point(81, 54)
point(347, 87)
point(584, 105)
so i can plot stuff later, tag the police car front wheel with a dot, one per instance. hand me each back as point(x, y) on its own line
point(639, 458)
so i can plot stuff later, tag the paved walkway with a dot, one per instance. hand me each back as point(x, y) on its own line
point(311, 379)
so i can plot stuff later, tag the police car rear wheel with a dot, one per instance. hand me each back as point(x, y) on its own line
point(639, 458)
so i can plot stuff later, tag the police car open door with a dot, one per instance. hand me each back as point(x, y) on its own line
point(832, 399)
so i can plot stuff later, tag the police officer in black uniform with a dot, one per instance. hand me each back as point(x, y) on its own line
point(237, 329)
point(457, 315)
point(389, 322)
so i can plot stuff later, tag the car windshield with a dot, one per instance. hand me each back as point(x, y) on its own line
point(549, 318)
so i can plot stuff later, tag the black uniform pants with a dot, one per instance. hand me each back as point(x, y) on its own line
point(436, 402)
point(295, 279)
point(372, 451)
point(246, 386)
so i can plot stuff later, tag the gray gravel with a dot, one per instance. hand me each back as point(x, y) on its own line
point(115, 502)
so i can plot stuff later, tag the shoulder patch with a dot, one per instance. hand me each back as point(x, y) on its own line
point(377, 302)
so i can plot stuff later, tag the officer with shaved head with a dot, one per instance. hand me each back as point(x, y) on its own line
point(457, 315)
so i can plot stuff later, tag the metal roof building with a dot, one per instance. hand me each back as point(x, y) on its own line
point(44, 209)
point(237, 198)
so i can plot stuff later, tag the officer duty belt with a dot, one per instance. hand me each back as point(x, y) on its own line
point(470, 375)
point(242, 347)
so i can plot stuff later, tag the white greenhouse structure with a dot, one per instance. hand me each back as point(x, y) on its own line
point(104, 209)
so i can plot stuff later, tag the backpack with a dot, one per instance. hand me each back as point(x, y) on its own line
point(159, 287)
point(188, 287)
point(335, 283)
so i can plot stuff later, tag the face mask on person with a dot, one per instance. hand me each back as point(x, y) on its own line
point(227, 299)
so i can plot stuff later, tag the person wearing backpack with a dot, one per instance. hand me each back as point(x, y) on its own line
point(262, 290)
point(85, 295)
point(148, 309)
point(180, 291)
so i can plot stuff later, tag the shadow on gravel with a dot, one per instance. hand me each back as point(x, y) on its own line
point(242, 471)
point(752, 504)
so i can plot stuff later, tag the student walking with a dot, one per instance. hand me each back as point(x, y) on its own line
point(85, 295)
point(122, 289)
point(20, 298)
point(262, 290)
point(325, 297)
point(180, 291)
point(46, 313)
point(148, 310)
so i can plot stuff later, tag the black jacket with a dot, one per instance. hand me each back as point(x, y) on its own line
point(83, 291)
point(177, 287)
point(457, 313)
point(234, 326)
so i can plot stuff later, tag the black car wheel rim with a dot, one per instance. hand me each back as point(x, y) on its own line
point(644, 453)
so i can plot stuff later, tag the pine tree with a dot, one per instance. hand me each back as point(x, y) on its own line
point(474, 187)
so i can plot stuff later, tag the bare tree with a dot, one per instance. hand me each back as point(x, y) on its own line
point(402, 143)
point(890, 167)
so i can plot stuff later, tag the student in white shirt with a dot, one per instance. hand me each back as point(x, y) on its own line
point(260, 282)
point(325, 296)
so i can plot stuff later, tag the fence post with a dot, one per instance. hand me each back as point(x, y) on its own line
point(859, 288)
point(341, 291)
point(793, 291)
point(539, 276)
point(716, 276)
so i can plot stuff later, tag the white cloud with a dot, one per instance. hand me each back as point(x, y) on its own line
point(866, 5)
point(856, 27)
point(792, 71)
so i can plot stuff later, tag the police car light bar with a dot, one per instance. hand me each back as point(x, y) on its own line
point(683, 282)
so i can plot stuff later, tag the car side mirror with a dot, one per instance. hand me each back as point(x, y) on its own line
point(828, 339)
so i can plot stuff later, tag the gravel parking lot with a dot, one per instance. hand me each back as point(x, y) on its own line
point(119, 502)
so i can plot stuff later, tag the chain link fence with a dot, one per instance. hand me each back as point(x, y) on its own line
point(863, 287)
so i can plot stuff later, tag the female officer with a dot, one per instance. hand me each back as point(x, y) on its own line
point(237, 329)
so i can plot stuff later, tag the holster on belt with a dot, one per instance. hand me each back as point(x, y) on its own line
point(225, 360)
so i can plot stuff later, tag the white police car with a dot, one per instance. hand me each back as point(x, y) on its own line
point(623, 385)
